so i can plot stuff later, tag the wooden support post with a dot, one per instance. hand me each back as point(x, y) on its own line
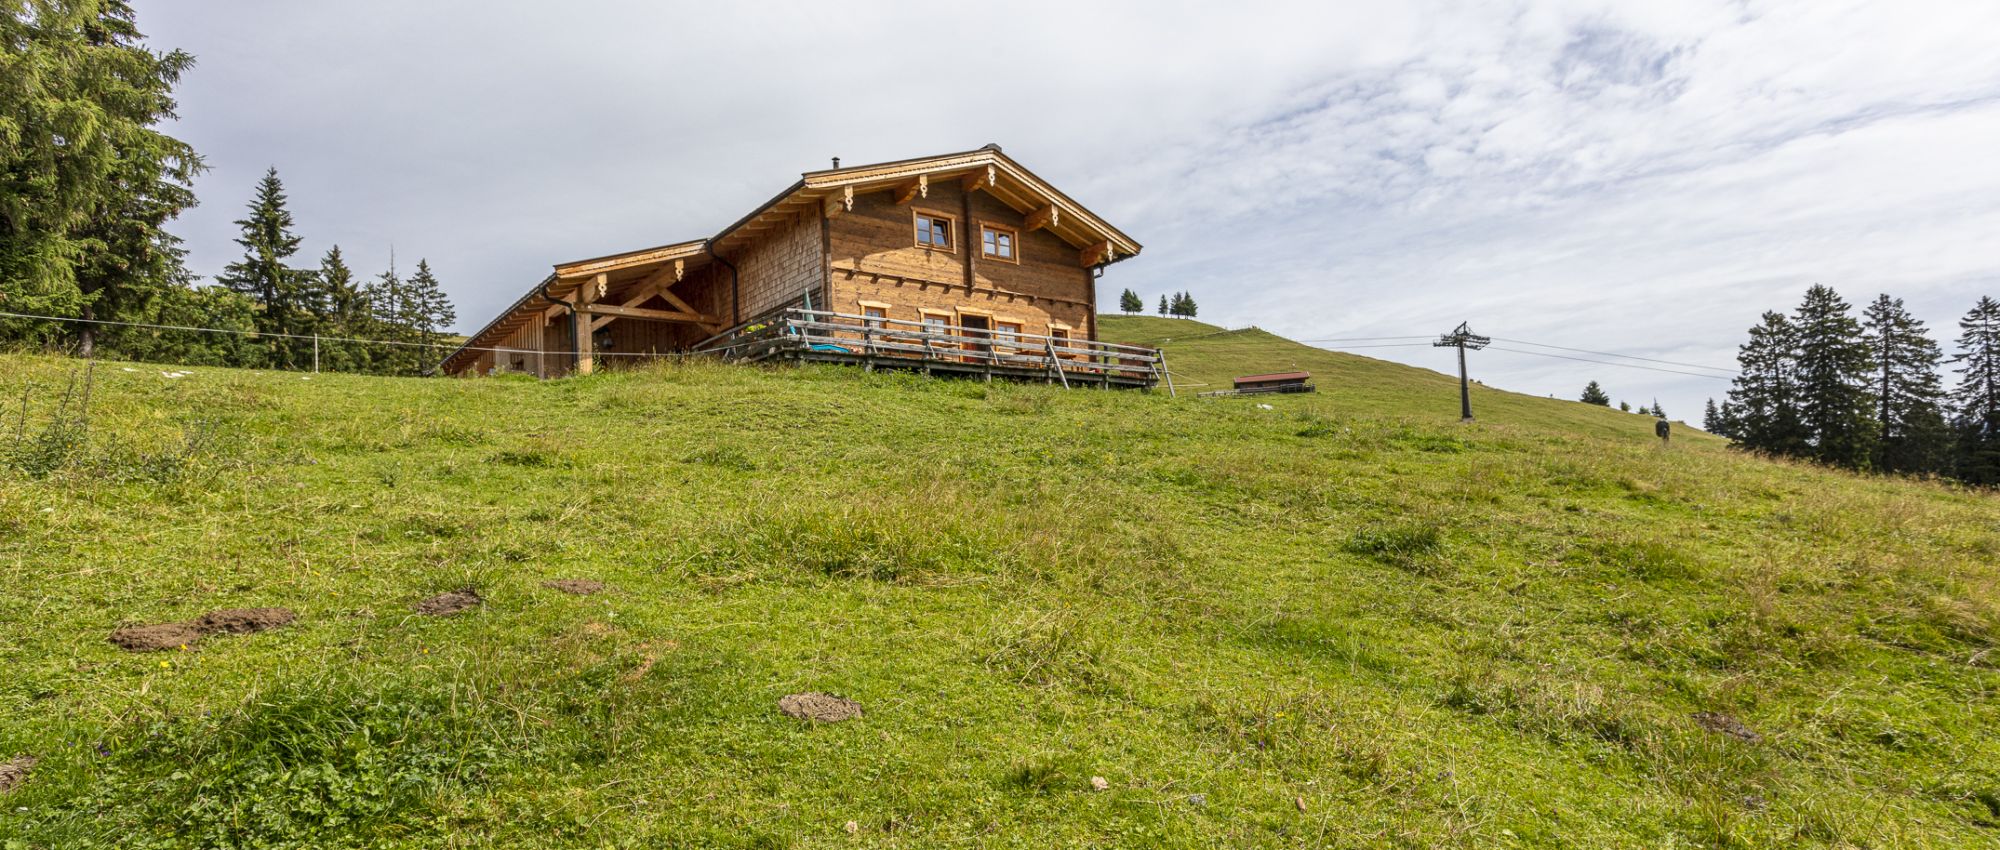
point(1167, 372)
point(586, 295)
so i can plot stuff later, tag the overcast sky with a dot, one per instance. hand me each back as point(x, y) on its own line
point(1640, 178)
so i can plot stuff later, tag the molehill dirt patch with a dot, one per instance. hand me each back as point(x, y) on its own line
point(447, 604)
point(819, 708)
point(243, 621)
point(15, 772)
point(238, 621)
point(156, 638)
point(575, 586)
point(1724, 724)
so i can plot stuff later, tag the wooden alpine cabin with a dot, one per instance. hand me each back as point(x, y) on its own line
point(965, 263)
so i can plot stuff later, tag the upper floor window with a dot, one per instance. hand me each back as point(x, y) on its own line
point(997, 243)
point(933, 231)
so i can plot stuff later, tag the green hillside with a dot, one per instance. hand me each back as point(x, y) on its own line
point(1204, 357)
point(1343, 621)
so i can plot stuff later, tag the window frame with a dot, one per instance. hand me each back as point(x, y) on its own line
point(950, 318)
point(1013, 236)
point(872, 321)
point(1007, 334)
point(1061, 332)
point(950, 229)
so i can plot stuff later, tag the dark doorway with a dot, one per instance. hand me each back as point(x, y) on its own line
point(978, 328)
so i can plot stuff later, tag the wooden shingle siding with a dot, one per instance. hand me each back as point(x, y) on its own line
point(780, 265)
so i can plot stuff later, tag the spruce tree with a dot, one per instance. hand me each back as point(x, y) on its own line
point(1188, 306)
point(1976, 401)
point(1594, 394)
point(1833, 394)
point(430, 314)
point(1129, 303)
point(1730, 420)
point(87, 180)
point(284, 295)
point(1163, 305)
point(389, 307)
point(347, 316)
point(1764, 391)
point(1658, 411)
point(1909, 397)
point(1711, 420)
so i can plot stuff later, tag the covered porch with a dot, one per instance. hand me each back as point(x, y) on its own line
point(591, 312)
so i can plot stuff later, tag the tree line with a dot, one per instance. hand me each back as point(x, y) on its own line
point(1595, 394)
point(1868, 393)
point(88, 184)
point(1180, 304)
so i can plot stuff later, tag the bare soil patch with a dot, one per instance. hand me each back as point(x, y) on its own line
point(575, 586)
point(15, 772)
point(447, 604)
point(156, 638)
point(243, 621)
point(238, 621)
point(1724, 724)
point(819, 708)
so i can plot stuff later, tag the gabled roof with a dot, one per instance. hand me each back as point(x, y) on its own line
point(985, 169)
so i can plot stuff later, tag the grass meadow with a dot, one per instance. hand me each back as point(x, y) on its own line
point(1331, 620)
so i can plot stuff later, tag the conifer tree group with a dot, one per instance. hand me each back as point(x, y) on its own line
point(1867, 393)
point(1130, 304)
point(88, 183)
point(1181, 305)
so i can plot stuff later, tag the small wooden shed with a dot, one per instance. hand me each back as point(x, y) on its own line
point(1276, 382)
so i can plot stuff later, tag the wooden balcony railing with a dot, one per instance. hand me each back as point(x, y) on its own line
point(828, 335)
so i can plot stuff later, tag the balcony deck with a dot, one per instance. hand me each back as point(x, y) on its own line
point(824, 336)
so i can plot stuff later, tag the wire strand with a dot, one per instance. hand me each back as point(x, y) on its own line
point(1613, 354)
point(455, 347)
point(1365, 338)
point(1608, 363)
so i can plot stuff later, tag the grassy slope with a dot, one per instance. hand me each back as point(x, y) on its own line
point(1206, 357)
point(1345, 621)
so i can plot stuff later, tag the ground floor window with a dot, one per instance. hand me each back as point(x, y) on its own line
point(1007, 334)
